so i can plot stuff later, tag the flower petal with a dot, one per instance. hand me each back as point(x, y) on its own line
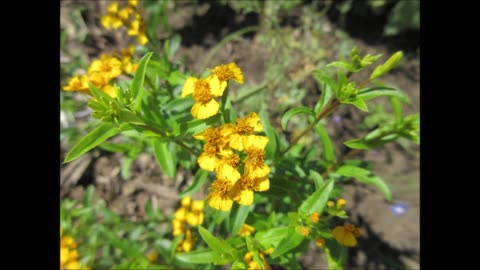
point(254, 141)
point(261, 184)
point(203, 111)
point(189, 86)
point(344, 237)
point(215, 87)
point(206, 162)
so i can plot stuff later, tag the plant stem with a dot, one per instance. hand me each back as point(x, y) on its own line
point(179, 143)
point(319, 117)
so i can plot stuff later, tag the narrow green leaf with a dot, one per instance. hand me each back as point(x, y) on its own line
point(373, 92)
point(139, 77)
point(387, 66)
point(214, 243)
point(117, 147)
point(316, 178)
point(294, 111)
point(317, 201)
point(328, 152)
point(197, 256)
point(365, 176)
point(327, 93)
point(271, 237)
point(125, 167)
point(397, 109)
point(357, 103)
point(240, 217)
point(98, 94)
point(201, 177)
point(94, 138)
point(165, 157)
point(292, 240)
point(359, 143)
point(252, 248)
point(341, 64)
point(324, 78)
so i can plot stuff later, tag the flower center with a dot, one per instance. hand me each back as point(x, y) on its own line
point(222, 187)
point(201, 92)
point(242, 127)
point(246, 183)
point(223, 73)
point(232, 160)
point(255, 157)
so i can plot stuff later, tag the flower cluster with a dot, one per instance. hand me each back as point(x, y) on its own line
point(102, 71)
point(248, 258)
point(127, 16)
point(205, 90)
point(246, 230)
point(68, 253)
point(237, 179)
point(188, 215)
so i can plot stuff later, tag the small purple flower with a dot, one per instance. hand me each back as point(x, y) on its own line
point(337, 119)
point(399, 208)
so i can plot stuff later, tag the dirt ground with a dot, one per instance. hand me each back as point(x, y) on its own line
point(388, 241)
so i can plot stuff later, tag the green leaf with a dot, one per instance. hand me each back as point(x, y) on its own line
point(94, 138)
point(327, 93)
point(240, 217)
point(294, 111)
point(165, 157)
point(292, 240)
point(341, 64)
point(271, 237)
point(324, 78)
point(316, 178)
point(98, 94)
point(200, 177)
point(317, 201)
point(176, 78)
point(224, 252)
point(373, 92)
point(397, 109)
point(197, 256)
point(139, 77)
point(357, 103)
point(387, 66)
point(328, 151)
point(252, 248)
point(125, 167)
point(117, 147)
point(365, 176)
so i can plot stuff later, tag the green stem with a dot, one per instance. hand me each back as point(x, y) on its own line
point(225, 116)
point(249, 94)
point(177, 142)
point(319, 117)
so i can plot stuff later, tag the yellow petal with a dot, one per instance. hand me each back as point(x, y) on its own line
point(218, 203)
point(201, 111)
point(189, 86)
point(195, 219)
point(237, 72)
point(206, 162)
point(186, 201)
point(254, 141)
point(113, 8)
point(344, 237)
point(262, 184)
point(180, 214)
point(244, 197)
point(236, 142)
point(142, 39)
point(105, 21)
point(110, 90)
point(253, 120)
point(258, 172)
point(215, 87)
point(227, 172)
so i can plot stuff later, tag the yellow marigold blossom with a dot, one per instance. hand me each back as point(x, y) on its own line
point(303, 231)
point(196, 216)
point(320, 242)
point(110, 67)
point(255, 166)
point(152, 256)
point(208, 158)
point(227, 166)
point(246, 230)
point(187, 243)
point(228, 72)
point(186, 201)
point(252, 265)
point(345, 235)
point(178, 226)
point(219, 197)
point(203, 92)
point(78, 83)
point(242, 191)
point(238, 133)
point(109, 90)
point(132, 3)
point(330, 204)
point(315, 217)
point(137, 28)
point(341, 203)
point(68, 253)
point(72, 265)
point(112, 19)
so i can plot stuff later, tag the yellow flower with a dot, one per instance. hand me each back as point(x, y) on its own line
point(345, 235)
point(181, 213)
point(78, 83)
point(228, 72)
point(196, 216)
point(68, 241)
point(242, 191)
point(137, 28)
point(187, 243)
point(186, 201)
point(152, 256)
point(303, 231)
point(320, 242)
point(218, 197)
point(109, 90)
point(239, 132)
point(112, 18)
point(252, 265)
point(132, 3)
point(255, 166)
point(341, 203)
point(73, 265)
point(178, 226)
point(110, 67)
point(330, 204)
point(315, 217)
point(227, 166)
point(246, 230)
point(203, 92)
